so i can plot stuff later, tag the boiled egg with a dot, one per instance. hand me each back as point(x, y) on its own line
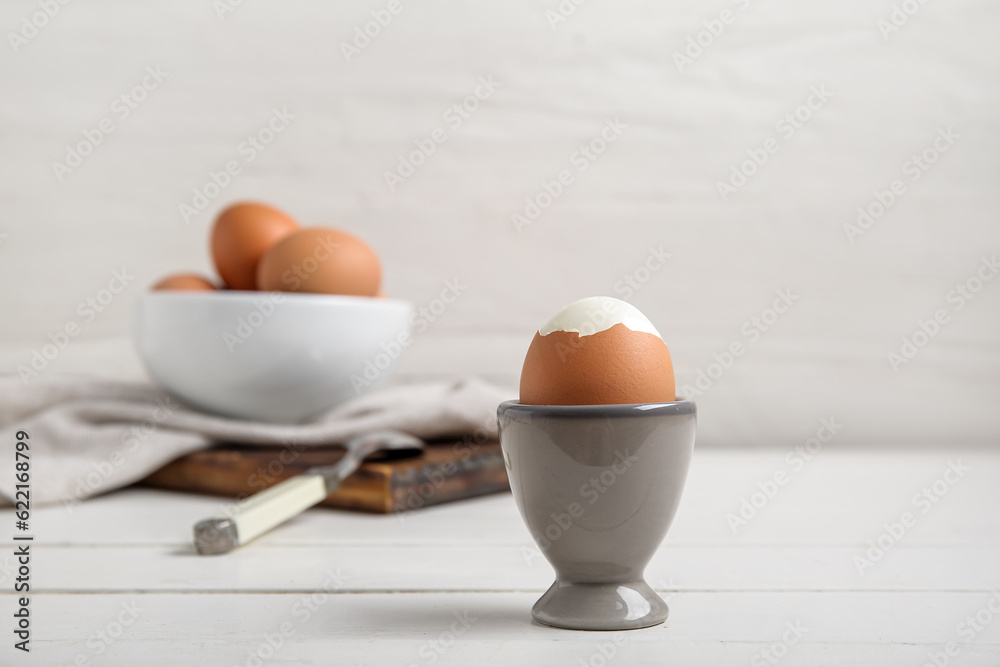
point(597, 351)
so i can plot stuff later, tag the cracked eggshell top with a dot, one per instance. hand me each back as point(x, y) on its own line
point(597, 351)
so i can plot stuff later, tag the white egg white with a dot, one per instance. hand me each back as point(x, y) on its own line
point(598, 313)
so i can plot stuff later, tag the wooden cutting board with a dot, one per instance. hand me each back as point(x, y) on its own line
point(444, 472)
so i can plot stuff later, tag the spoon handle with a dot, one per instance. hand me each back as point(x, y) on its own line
point(258, 514)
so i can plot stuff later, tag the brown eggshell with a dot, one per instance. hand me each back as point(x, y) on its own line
point(609, 367)
point(190, 282)
point(322, 261)
point(241, 235)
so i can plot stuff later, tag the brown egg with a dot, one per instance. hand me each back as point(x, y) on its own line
point(322, 261)
point(190, 282)
point(241, 235)
point(619, 358)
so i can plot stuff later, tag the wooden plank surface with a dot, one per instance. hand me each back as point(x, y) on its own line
point(397, 581)
point(839, 498)
point(711, 629)
point(388, 482)
point(515, 567)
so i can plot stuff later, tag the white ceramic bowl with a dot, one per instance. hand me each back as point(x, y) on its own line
point(268, 356)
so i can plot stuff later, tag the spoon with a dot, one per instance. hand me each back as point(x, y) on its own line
point(263, 511)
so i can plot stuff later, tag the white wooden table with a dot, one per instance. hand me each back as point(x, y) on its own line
point(115, 581)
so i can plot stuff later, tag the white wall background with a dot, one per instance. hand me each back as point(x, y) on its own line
point(655, 186)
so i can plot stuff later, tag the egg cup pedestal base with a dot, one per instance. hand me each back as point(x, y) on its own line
point(597, 487)
point(625, 605)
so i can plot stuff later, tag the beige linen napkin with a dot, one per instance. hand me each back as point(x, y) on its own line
point(90, 436)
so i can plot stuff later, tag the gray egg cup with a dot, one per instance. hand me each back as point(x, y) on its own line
point(598, 486)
